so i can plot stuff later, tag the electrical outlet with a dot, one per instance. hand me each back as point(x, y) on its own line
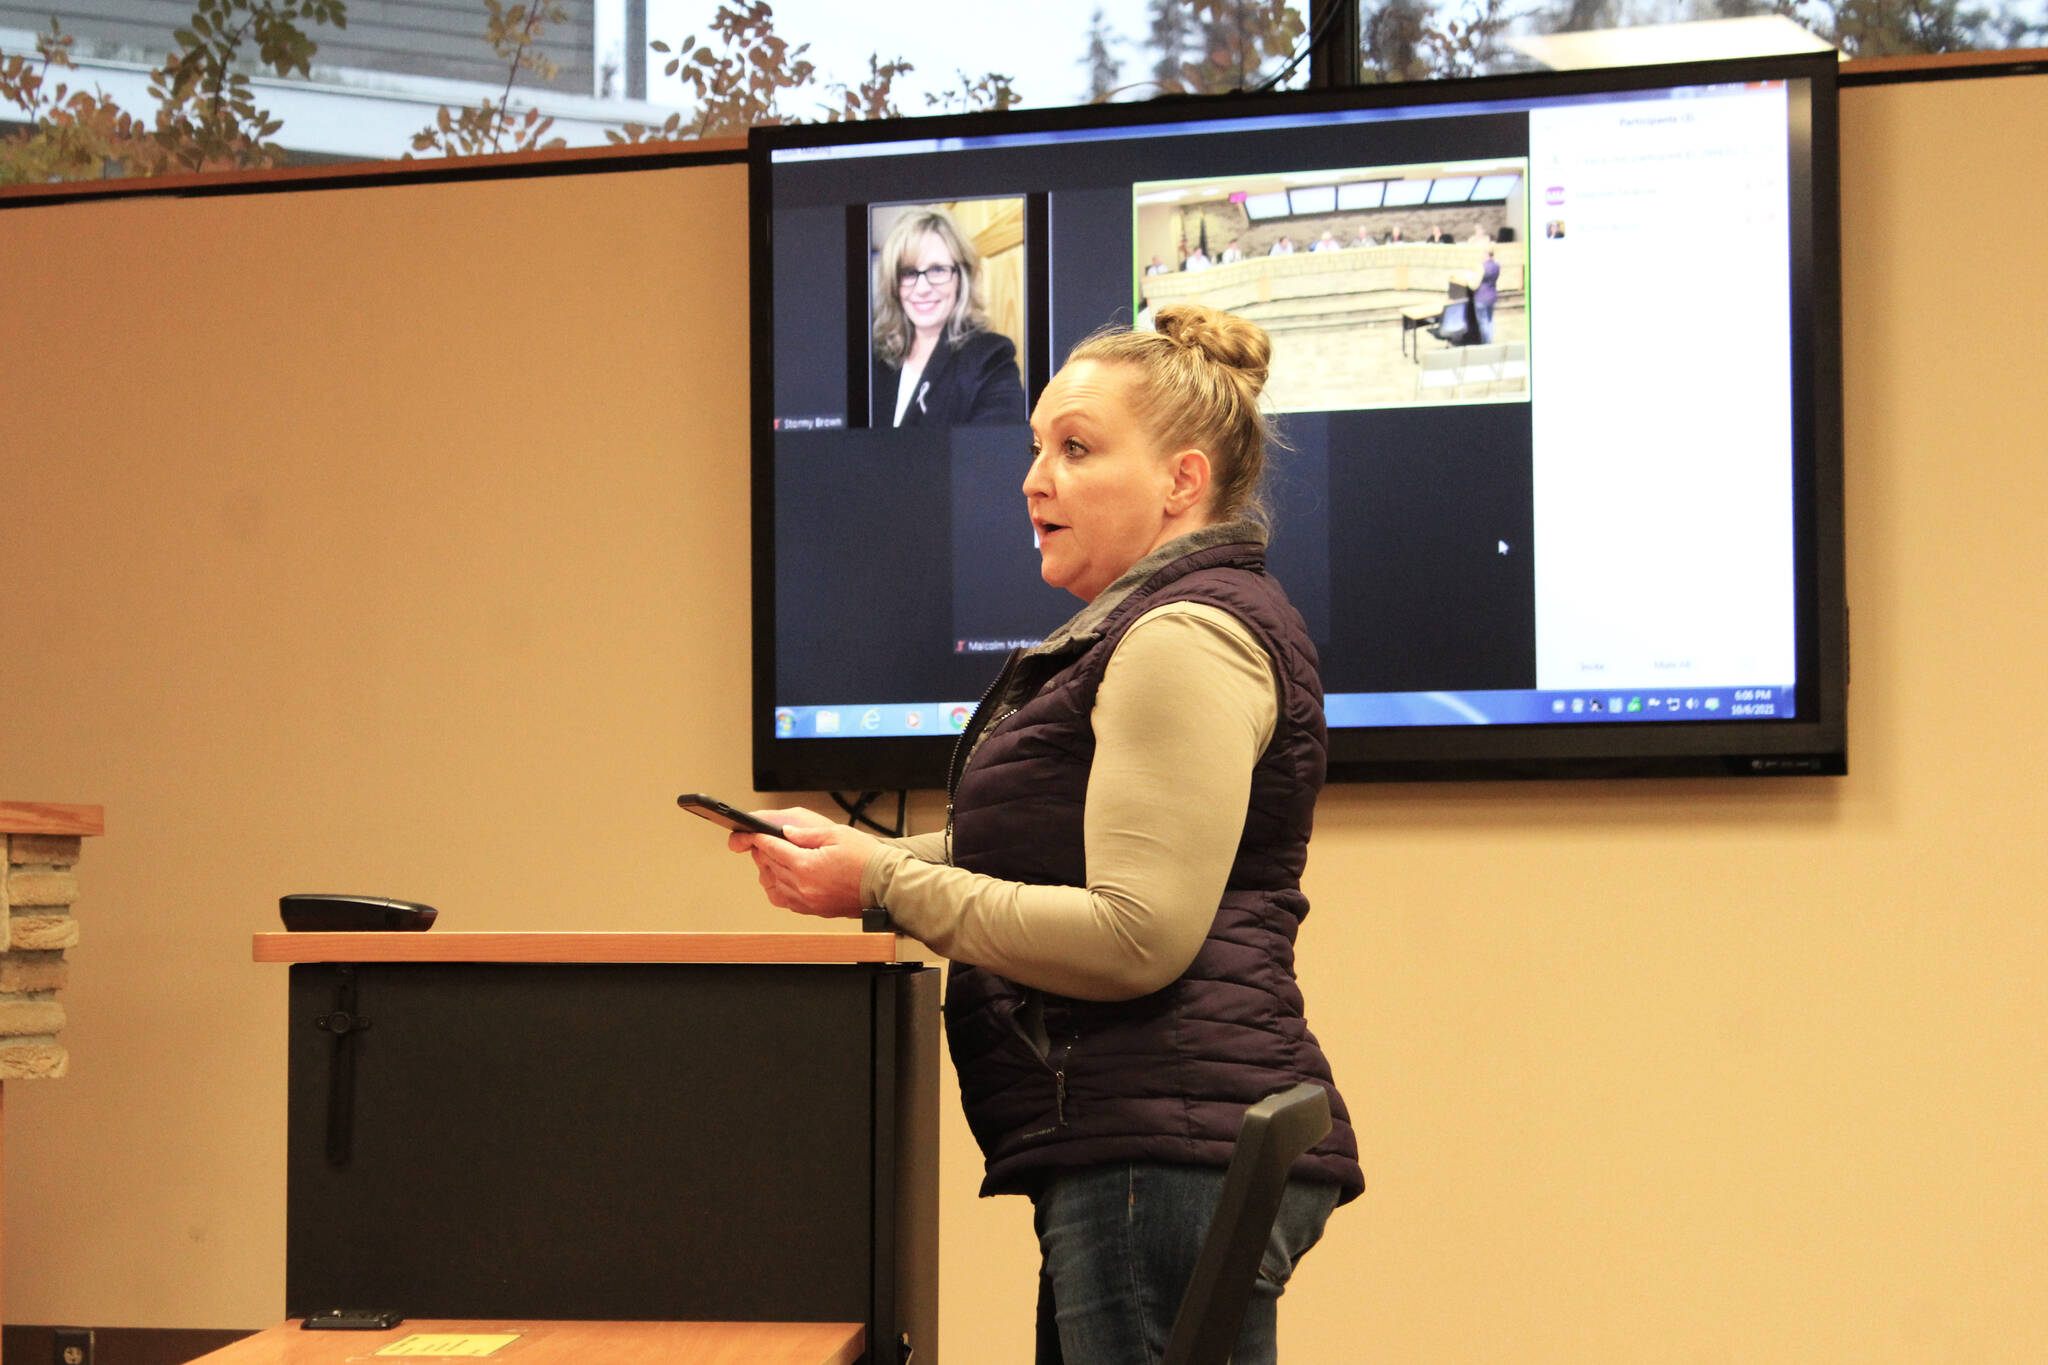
point(72, 1346)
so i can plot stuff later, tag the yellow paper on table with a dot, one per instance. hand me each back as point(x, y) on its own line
point(449, 1344)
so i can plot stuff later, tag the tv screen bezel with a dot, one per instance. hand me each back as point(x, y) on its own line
point(1813, 742)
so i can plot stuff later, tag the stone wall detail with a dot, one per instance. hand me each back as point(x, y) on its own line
point(38, 885)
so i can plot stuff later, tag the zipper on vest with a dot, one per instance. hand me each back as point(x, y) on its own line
point(1058, 1062)
point(964, 742)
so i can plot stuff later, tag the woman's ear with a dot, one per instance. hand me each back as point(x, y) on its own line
point(1190, 469)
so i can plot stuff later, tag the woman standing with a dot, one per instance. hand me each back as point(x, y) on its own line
point(1119, 886)
point(935, 361)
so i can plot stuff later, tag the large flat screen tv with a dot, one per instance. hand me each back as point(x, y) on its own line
point(1555, 357)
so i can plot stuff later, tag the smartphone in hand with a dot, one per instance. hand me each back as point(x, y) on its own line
point(726, 817)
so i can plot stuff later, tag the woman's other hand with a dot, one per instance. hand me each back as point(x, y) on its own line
point(815, 870)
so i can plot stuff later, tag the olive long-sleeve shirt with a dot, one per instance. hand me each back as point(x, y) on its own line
point(1187, 704)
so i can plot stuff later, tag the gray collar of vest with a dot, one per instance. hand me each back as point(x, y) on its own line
point(1086, 623)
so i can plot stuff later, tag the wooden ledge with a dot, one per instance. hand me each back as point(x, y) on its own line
point(567, 1343)
point(429, 946)
point(1996, 62)
point(44, 817)
point(372, 173)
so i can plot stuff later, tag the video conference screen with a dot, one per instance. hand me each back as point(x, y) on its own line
point(1536, 364)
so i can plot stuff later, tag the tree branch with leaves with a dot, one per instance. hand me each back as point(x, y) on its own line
point(206, 109)
point(206, 116)
point(515, 36)
point(71, 134)
point(753, 76)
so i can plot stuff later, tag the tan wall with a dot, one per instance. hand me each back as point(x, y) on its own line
point(394, 540)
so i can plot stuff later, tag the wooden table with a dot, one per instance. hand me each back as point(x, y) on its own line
point(565, 1343)
point(583, 946)
point(1417, 316)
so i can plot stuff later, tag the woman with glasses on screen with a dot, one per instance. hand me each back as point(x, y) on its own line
point(937, 364)
point(1119, 884)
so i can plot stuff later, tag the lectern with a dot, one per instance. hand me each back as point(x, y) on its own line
point(614, 1126)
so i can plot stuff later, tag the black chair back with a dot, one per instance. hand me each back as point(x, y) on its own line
point(1276, 1130)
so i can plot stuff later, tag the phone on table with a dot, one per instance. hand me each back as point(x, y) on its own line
point(727, 817)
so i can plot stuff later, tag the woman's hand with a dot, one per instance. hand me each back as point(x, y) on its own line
point(816, 870)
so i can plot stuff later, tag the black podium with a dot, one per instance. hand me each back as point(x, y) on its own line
point(614, 1126)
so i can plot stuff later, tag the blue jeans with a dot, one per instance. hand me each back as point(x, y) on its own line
point(1119, 1244)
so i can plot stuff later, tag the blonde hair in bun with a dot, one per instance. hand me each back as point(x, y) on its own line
point(1196, 384)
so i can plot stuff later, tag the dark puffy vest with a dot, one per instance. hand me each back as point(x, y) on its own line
point(1052, 1082)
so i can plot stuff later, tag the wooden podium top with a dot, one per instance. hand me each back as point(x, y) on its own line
point(556, 1343)
point(432, 946)
point(47, 817)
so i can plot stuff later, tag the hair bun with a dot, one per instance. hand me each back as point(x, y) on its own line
point(1223, 338)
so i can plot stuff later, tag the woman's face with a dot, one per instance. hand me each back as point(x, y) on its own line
point(928, 294)
point(1101, 489)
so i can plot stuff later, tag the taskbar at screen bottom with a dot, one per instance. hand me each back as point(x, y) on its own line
point(1391, 710)
point(872, 720)
point(1352, 710)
